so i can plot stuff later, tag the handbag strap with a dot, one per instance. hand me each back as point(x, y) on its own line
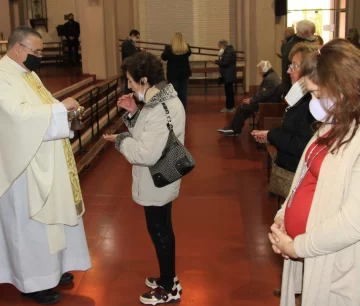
point(167, 112)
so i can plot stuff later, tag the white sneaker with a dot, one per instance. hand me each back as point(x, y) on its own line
point(153, 283)
point(160, 296)
point(225, 130)
point(227, 110)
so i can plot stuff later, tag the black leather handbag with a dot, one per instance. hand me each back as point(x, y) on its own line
point(175, 161)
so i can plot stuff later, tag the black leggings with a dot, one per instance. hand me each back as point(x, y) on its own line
point(159, 224)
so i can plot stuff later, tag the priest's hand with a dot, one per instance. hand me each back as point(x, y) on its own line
point(110, 138)
point(70, 104)
point(127, 102)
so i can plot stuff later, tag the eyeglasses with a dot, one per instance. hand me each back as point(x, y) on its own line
point(292, 67)
point(38, 53)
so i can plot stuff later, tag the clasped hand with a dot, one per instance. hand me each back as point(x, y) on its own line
point(281, 242)
point(260, 136)
point(127, 102)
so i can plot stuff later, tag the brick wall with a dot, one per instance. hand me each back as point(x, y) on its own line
point(202, 22)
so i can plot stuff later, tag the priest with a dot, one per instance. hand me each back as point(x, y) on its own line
point(42, 235)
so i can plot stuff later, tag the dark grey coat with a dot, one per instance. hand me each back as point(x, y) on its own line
point(227, 65)
point(269, 89)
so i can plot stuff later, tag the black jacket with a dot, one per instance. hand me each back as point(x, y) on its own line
point(292, 137)
point(128, 48)
point(72, 28)
point(269, 88)
point(286, 80)
point(178, 66)
point(227, 65)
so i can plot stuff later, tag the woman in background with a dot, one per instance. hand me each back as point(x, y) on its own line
point(291, 138)
point(319, 221)
point(178, 67)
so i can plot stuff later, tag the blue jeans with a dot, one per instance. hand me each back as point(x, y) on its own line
point(181, 87)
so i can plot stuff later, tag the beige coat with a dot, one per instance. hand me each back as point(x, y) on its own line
point(331, 245)
point(148, 136)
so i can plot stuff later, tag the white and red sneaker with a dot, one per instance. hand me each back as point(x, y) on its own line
point(160, 296)
point(154, 282)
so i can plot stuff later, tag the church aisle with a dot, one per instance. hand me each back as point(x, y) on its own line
point(221, 221)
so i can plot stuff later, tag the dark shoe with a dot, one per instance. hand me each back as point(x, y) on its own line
point(45, 297)
point(66, 278)
point(233, 134)
point(277, 291)
point(153, 283)
point(160, 296)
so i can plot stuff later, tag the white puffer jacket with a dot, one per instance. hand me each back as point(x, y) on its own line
point(142, 146)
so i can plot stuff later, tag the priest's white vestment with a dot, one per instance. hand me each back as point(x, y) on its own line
point(41, 230)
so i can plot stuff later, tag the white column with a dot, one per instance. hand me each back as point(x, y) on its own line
point(5, 23)
point(98, 37)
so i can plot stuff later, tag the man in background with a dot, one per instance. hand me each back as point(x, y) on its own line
point(227, 64)
point(305, 30)
point(128, 48)
point(72, 32)
point(288, 35)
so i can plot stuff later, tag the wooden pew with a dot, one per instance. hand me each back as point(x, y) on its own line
point(101, 116)
point(210, 68)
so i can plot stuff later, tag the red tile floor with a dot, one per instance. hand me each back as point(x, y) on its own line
point(221, 220)
point(56, 78)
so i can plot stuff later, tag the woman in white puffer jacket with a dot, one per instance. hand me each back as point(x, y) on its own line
point(142, 146)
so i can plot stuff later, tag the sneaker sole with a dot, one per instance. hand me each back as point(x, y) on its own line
point(231, 135)
point(150, 285)
point(173, 300)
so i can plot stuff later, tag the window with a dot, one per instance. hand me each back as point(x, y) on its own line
point(329, 16)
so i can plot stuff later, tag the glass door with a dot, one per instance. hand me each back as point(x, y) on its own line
point(329, 16)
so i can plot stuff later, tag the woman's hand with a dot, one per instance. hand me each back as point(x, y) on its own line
point(260, 136)
point(127, 102)
point(279, 224)
point(246, 101)
point(281, 242)
point(110, 138)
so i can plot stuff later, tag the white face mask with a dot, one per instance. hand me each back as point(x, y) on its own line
point(319, 107)
point(140, 95)
point(297, 91)
point(221, 52)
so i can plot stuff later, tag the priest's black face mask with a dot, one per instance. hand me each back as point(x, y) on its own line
point(32, 62)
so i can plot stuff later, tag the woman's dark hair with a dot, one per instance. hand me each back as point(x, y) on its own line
point(335, 68)
point(144, 64)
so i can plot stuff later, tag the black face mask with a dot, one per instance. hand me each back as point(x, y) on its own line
point(32, 62)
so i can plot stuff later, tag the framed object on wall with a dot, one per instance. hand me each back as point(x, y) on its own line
point(37, 13)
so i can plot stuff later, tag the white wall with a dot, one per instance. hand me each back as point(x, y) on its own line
point(56, 9)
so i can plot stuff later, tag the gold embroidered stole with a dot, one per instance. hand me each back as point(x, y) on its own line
point(69, 156)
